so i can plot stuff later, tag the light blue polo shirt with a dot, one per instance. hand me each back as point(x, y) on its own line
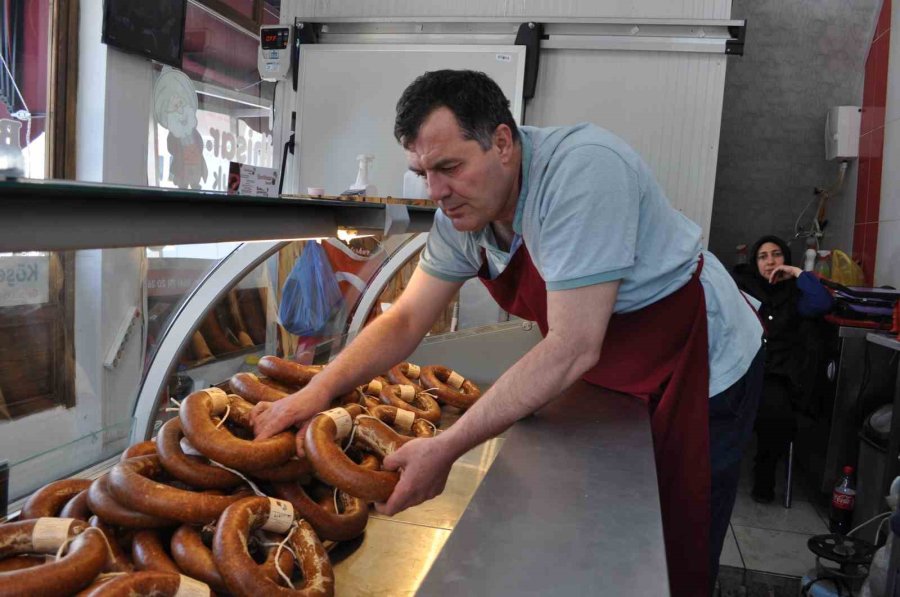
point(591, 211)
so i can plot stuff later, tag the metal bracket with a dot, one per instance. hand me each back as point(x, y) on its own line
point(530, 35)
point(735, 45)
point(304, 33)
point(396, 219)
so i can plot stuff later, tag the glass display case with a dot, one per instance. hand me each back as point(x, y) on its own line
point(115, 301)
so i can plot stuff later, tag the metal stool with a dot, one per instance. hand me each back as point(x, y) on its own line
point(789, 475)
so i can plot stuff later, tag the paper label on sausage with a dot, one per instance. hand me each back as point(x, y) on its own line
point(219, 400)
point(281, 516)
point(188, 449)
point(190, 587)
point(412, 371)
point(455, 380)
point(374, 387)
point(49, 533)
point(407, 393)
point(404, 419)
point(342, 420)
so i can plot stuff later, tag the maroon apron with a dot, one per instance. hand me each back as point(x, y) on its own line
point(660, 355)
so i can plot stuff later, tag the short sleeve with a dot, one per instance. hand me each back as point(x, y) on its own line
point(447, 255)
point(588, 218)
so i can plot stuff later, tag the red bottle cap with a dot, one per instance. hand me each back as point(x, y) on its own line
point(848, 470)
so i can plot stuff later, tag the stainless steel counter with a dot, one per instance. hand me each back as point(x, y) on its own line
point(569, 507)
point(565, 503)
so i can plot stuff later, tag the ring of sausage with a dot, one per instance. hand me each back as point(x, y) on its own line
point(409, 398)
point(118, 560)
point(354, 396)
point(77, 507)
point(295, 469)
point(287, 372)
point(373, 388)
point(146, 448)
point(193, 470)
point(147, 584)
point(277, 385)
point(347, 524)
point(248, 387)
point(374, 436)
point(405, 374)
point(243, 577)
point(21, 562)
point(131, 484)
point(82, 563)
point(219, 444)
point(403, 421)
point(195, 558)
point(102, 503)
point(334, 467)
point(149, 553)
point(444, 381)
point(52, 497)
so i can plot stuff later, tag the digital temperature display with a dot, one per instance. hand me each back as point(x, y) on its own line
point(275, 39)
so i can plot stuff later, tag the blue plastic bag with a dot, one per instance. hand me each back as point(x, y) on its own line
point(311, 294)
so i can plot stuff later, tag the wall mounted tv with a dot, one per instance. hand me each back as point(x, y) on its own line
point(151, 28)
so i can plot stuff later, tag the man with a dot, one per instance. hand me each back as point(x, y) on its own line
point(566, 227)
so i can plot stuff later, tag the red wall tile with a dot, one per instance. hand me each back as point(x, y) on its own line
point(884, 19)
point(871, 145)
point(862, 179)
point(859, 241)
point(881, 49)
point(870, 249)
point(876, 164)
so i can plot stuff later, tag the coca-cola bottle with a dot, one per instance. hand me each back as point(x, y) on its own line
point(842, 500)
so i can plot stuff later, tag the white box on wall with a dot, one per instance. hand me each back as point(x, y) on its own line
point(842, 133)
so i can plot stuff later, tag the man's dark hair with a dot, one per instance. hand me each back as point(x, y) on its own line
point(474, 98)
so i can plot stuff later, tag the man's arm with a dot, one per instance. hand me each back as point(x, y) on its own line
point(578, 319)
point(386, 341)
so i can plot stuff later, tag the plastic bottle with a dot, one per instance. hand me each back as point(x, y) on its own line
point(823, 264)
point(809, 256)
point(843, 498)
point(12, 161)
point(362, 185)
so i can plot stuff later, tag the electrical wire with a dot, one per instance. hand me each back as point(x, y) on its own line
point(871, 520)
point(25, 113)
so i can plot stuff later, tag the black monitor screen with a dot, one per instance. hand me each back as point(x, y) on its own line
point(152, 28)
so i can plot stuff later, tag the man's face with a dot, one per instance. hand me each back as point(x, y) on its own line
point(470, 185)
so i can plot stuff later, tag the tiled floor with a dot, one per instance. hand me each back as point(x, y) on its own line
point(766, 544)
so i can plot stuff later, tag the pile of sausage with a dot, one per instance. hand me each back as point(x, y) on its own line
point(204, 509)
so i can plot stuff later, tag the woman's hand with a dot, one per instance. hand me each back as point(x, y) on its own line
point(269, 418)
point(783, 272)
point(424, 466)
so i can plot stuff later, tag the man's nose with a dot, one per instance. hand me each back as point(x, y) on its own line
point(437, 186)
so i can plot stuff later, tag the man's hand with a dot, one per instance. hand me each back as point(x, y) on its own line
point(424, 466)
point(783, 272)
point(269, 418)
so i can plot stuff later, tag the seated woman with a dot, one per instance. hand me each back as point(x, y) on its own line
point(788, 294)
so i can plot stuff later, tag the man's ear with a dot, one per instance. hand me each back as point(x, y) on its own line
point(503, 141)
